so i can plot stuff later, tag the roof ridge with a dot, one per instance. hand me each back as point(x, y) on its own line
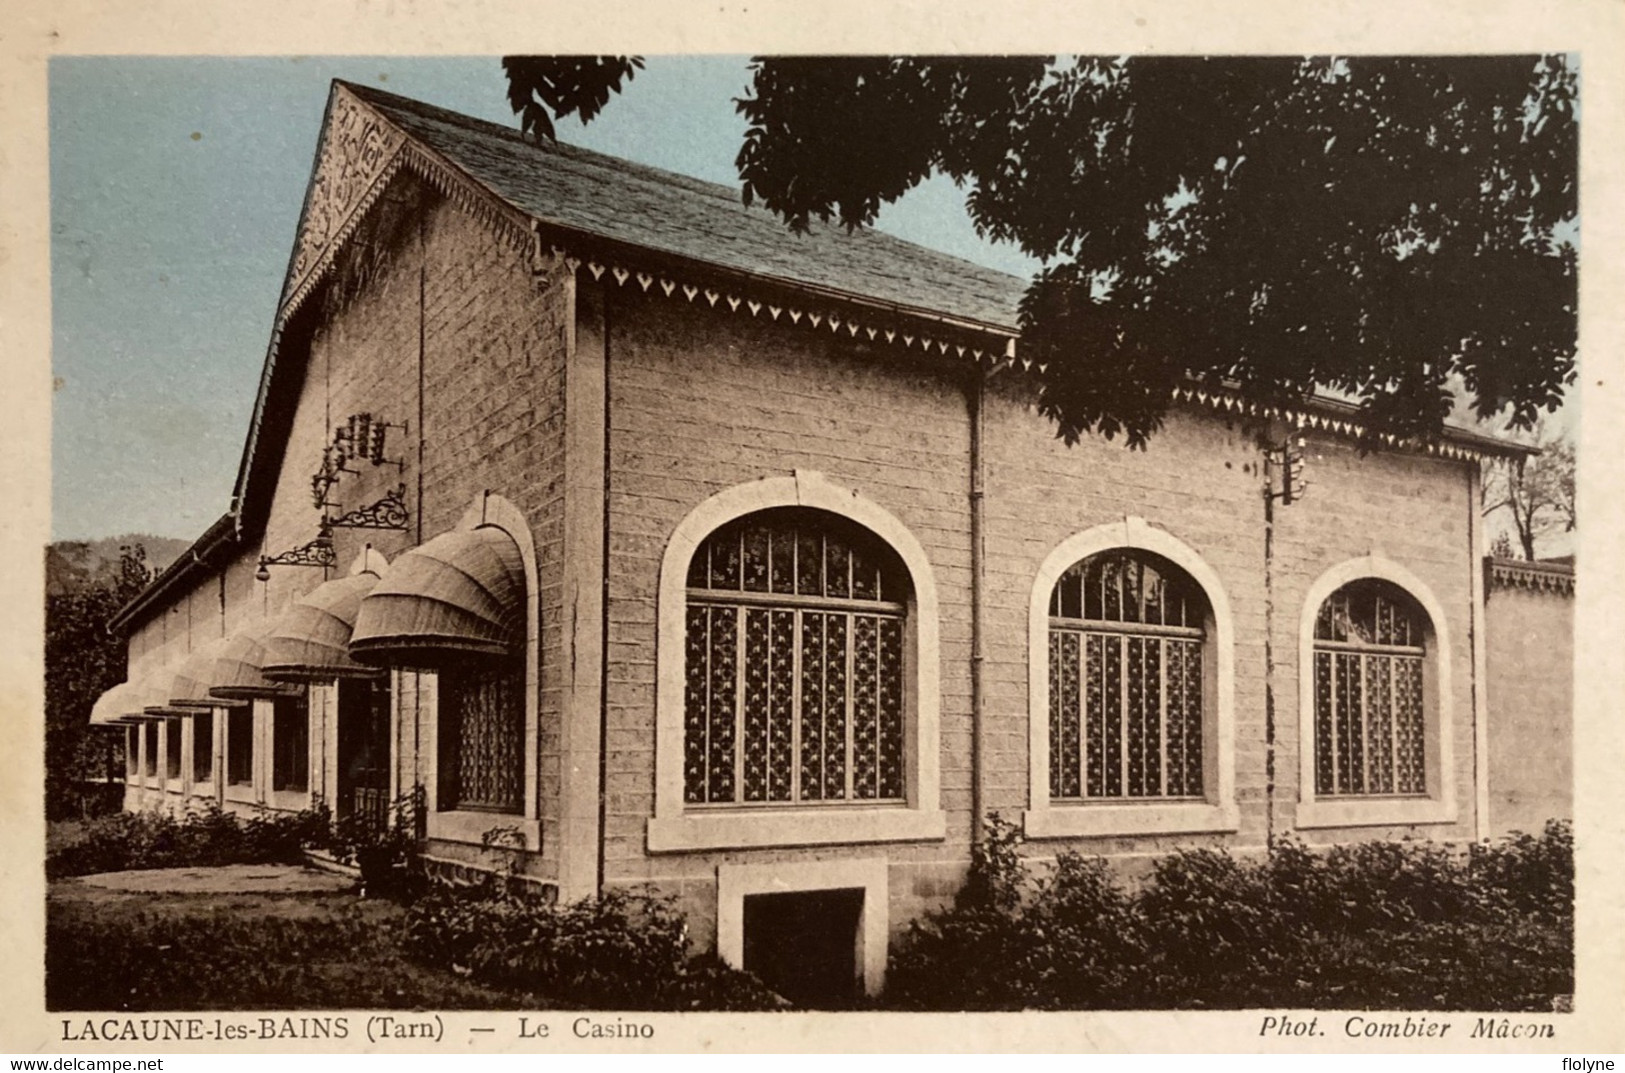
point(514, 134)
point(639, 170)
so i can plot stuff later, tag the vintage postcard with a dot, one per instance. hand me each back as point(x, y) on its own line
point(746, 529)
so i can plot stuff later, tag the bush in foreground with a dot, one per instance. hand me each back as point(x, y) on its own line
point(623, 950)
point(1376, 925)
point(126, 841)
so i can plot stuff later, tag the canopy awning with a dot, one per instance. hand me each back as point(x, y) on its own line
point(147, 698)
point(157, 690)
point(310, 642)
point(462, 594)
point(237, 672)
point(112, 706)
point(189, 686)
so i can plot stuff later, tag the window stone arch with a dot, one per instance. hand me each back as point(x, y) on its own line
point(1213, 809)
point(1436, 802)
point(680, 824)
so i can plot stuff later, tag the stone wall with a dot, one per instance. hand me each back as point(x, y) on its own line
point(430, 321)
point(1529, 628)
point(701, 402)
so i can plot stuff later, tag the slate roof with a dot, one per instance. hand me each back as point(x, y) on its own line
point(570, 187)
point(606, 197)
point(660, 210)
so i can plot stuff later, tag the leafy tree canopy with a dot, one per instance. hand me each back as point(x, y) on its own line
point(562, 85)
point(1378, 226)
point(81, 661)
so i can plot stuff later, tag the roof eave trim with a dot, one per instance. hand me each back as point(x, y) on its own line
point(574, 242)
point(1340, 418)
point(202, 554)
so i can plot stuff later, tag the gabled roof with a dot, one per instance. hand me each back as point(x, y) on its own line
point(604, 196)
point(643, 227)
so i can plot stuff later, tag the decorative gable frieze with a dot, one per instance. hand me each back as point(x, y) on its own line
point(359, 154)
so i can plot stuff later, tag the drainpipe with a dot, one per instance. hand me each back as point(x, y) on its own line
point(418, 773)
point(975, 398)
point(603, 619)
point(1269, 647)
point(1476, 641)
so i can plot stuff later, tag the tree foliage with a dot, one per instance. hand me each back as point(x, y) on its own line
point(562, 85)
point(1537, 495)
point(1372, 225)
point(83, 660)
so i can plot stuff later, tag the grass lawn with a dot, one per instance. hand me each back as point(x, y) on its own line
point(119, 950)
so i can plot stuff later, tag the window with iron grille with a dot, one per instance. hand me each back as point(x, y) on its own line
point(794, 664)
point(290, 744)
point(202, 746)
point(240, 746)
point(1126, 678)
point(482, 738)
point(1369, 722)
point(172, 748)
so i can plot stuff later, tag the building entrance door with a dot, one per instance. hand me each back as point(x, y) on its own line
point(804, 945)
point(363, 755)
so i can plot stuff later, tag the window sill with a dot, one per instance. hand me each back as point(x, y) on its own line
point(241, 793)
point(793, 827)
point(1387, 812)
point(288, 800)
point(472, 827)
point(1165, 818)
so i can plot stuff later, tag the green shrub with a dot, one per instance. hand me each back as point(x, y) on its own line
point(979, 954)
point(204, 836)
point(384, 849)
point(1374, 925)
point(1089, 939)
point(1211, 923)
point(1532, 874)
point(620, 950)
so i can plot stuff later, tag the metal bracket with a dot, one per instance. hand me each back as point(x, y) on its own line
point(387, 513)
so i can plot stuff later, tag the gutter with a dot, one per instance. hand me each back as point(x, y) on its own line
point(204, 553)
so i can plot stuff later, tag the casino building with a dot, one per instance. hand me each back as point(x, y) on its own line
point(659, 545)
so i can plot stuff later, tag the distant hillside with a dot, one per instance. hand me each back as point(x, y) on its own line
point(72, 565)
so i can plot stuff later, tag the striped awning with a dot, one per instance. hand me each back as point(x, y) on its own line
point(462, 594)
point(310, 642)
point(112, 706)
point(189, 686)
point(237, 672)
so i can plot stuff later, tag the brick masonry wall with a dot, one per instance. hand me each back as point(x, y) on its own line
point(1198, 480)
point(1530, 640)
point(493, 354)
point(702, 401)
point(1412, 509)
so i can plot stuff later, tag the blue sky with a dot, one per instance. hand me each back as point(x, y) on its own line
point(176, 185)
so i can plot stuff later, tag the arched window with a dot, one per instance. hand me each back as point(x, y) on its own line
point(1370, 718)
point(1126, 680)
point(794, 693)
